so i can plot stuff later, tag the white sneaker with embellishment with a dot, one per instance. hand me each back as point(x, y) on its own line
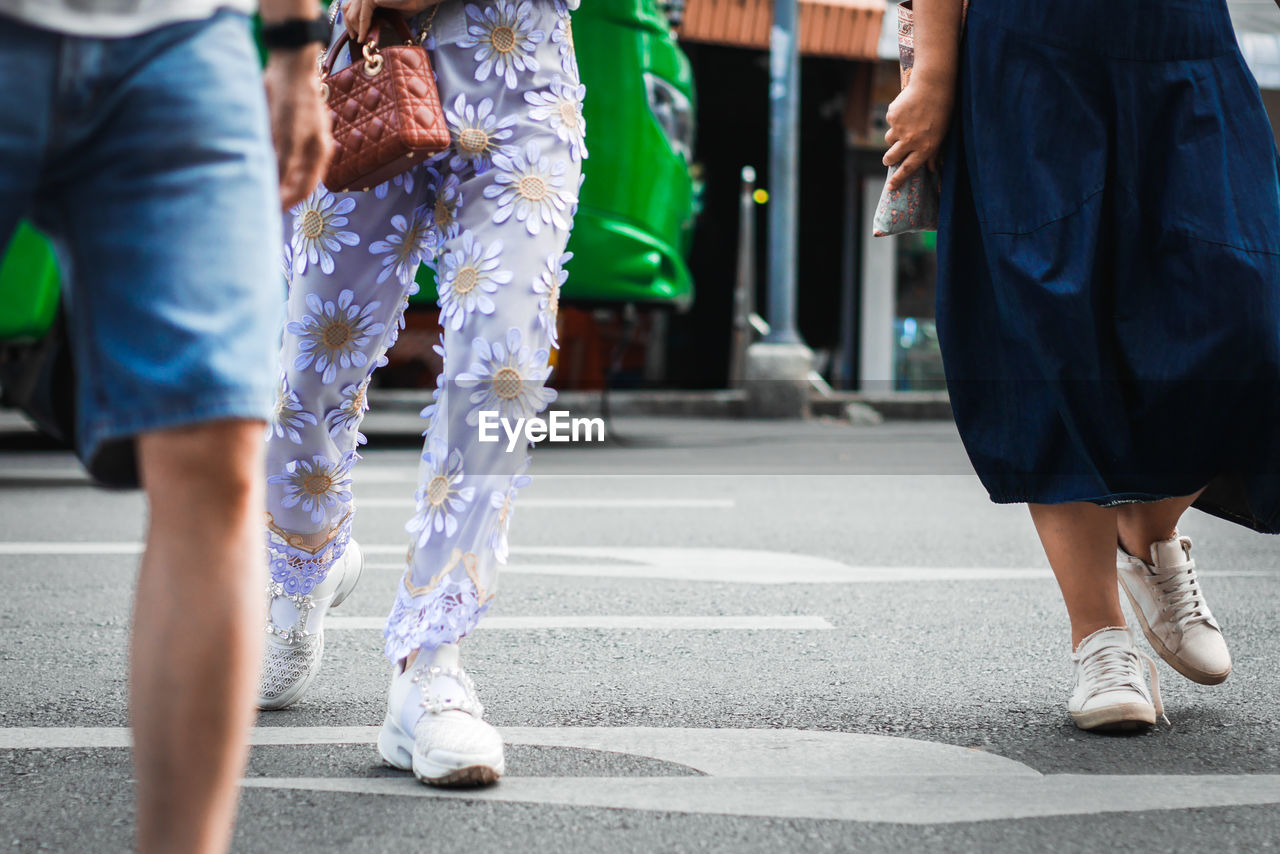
point(1170, 606)
point(1110, 692)
point(295, 631)
point(435, 725)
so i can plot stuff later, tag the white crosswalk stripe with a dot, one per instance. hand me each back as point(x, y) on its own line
point(577, 503)
point(652, 623)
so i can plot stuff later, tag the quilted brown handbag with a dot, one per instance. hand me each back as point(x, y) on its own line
point(385, 109)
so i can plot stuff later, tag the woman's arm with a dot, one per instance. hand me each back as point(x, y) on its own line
point(919, 116)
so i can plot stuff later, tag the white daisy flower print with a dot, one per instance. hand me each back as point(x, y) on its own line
point(560, 106)
point(440, 500)
point(503, 501)
point(562, 38)
point(404, 181)
point(316, 485)
point(334, 335)
point(507, 377)
point(318, 230)
point(478, 133)
point(399, 325)
point(439, 403)
point(443, 212)
point(406, 247)
point(471, 273)
point(547, 287)
point(505, 39)
point(396, 326)
point(348, 414)
point(530, 187)
point(288, 417)
point(439, 395)
point(286, 260)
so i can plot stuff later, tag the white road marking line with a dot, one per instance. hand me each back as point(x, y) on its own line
point(741, 566)
point(763, 773)
point(620, 621)
point(56, 548)
point(932, 800)
point(53, 474)
point(578, 503)
point(733, 566)
point(729, 753)
point(44, 738)
point(409, 474)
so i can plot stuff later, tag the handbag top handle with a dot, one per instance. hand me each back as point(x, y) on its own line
point(382, 19)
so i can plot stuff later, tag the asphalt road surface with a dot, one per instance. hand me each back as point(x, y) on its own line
point(713, 636)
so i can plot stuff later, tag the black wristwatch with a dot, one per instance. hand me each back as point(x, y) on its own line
point(295, 33)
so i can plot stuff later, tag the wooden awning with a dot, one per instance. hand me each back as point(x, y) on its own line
point(847, 29)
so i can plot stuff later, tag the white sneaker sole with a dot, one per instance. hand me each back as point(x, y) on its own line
point(446, 770)
point(1118, 718)
point(1190, 671)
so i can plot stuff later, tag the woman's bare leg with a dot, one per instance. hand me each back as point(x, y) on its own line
point(1080, 541)
point(1140, 525)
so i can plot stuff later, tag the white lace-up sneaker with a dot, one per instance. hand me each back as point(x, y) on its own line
point(451, 745)
point(295, 631)
point(1170, 606)
point(1110, 693)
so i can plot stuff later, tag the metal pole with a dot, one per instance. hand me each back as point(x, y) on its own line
point(848, 354)
point(744, 291)
point(784, 111)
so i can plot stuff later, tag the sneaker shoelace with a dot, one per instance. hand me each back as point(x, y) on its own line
point(1114, 668)
point(1180, 592)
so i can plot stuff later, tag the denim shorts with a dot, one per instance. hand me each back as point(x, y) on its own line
point(148, 162)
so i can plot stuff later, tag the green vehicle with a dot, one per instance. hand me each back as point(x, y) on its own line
point(635, 222)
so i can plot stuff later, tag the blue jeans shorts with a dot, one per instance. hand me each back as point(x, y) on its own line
point(148, 161)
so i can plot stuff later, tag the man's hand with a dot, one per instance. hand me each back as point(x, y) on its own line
point(358, 14)
point(299, 122)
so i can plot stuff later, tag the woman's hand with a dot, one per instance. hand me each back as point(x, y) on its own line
point(358, 14)
point(918, 120)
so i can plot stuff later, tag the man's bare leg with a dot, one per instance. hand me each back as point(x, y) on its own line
point(197, 631)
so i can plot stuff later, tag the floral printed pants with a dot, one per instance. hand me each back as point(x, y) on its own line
point(491, 216)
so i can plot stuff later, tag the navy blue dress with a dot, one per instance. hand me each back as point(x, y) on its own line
point(1109, 256)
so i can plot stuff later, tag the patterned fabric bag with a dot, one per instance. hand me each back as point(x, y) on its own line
point(914, 207)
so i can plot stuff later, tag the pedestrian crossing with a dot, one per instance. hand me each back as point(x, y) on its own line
point(760, 773)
